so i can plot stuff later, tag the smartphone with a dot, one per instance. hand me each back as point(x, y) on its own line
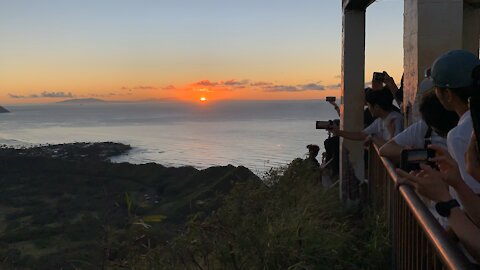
point(323, 124)
point(474, 105)
point(412, 158)
point(379, 76)
point(330, 99)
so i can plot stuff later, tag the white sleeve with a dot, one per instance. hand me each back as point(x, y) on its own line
point(398, 125)
point(412, 136)
point(373, 128)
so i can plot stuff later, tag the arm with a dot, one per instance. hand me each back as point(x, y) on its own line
point(390, 83)
point(335, 106)
point(451, 175)
point(470, 201)
point(466, 231)
point(352, 135)
point(391, 150)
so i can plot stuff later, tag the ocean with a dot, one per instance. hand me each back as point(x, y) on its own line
point(256, 134)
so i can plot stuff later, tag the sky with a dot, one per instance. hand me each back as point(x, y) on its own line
point(52, 50)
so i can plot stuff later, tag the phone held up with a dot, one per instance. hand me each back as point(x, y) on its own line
point(412, 158)
point(323, 124)
point(330, 99)
point(474, 105)
point(379, 76)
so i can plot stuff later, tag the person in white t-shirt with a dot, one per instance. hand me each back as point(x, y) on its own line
point(387, 124)
point(456, 75)
point(432, 129)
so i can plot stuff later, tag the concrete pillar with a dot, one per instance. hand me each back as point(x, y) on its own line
point(352, 85)
point(432, 27)
point(471, 28)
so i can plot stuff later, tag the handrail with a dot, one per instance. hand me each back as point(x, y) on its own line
point(448, 251)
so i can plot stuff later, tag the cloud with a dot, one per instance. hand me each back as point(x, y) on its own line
point(169, 87)
point(141, 87)
point(56, 94)
point(334, 86)
point(281, 88)
point(205, 83)
point(312, 86)
point(259, 84)
point(235, 83)
point(44, 94)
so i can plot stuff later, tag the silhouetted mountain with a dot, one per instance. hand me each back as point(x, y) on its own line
point(3, 110)
point(82, 101)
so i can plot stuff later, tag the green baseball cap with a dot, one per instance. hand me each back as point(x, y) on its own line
point(454, 69)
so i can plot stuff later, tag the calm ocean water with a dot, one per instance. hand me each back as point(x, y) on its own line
point(255, 134)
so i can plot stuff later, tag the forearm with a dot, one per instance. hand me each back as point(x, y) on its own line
point(378, 141)
point(466, 231)
point(352, 135)
point(470, 202)
point(391, 150)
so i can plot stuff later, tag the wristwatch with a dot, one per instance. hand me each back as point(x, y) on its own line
point(443, 208)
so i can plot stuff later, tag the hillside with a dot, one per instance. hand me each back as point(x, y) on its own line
point(61, 210)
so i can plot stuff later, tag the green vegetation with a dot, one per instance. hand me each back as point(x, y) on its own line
point(58, 213)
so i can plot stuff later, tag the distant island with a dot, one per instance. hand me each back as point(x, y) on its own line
point(3, 110)
point(82, 101)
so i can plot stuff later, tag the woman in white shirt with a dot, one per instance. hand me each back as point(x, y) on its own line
point(387, 124)
point(432, 129)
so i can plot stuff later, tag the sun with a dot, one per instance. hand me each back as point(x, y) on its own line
point(203, 99)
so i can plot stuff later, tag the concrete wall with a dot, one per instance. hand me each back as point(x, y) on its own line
point(432, 27)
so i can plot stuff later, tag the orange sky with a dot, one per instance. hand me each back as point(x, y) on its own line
point(88, 49)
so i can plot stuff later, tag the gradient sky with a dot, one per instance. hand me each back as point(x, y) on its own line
point(132, 50)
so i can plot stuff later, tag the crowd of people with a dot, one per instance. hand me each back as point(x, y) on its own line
point(449, 180)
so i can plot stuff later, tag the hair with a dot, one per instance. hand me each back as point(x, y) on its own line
point(383, 98)
point(313, 148)
point(435, 115)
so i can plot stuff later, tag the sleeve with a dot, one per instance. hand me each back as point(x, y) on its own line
point(410, 136)
point(373, 128)
point(398, 125)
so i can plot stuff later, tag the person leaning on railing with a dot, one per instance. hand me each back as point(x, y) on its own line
point(456, 78)
point(436, 122)
point(387, 124)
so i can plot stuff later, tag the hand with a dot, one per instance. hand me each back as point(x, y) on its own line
point(472, 158)
point(376, 85)
point(388, 80)
point(334, 129)
point(428, 182)
point(447, 165)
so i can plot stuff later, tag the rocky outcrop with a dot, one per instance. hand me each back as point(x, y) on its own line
point(3, 110)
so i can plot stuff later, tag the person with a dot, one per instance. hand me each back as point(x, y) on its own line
point(367, 116)
point(311, 159)
point(436, 122)
point(456, 76)
point(387, 124)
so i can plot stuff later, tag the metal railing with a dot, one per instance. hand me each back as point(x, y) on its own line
point(418, 240)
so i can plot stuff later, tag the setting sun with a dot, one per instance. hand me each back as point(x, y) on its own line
point(203, 99)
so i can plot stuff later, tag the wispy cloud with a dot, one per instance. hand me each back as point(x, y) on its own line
point(141, 87)
point(44, 94)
